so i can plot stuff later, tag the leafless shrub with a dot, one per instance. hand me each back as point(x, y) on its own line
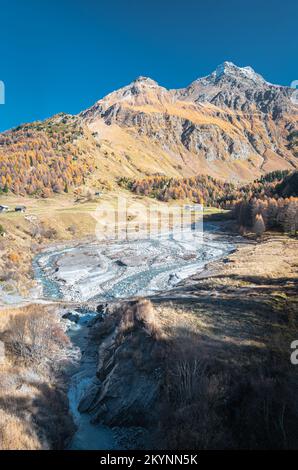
point(144, 311)
point(34, 337)
point(127, 320)
point(139, 313)
point(33, 404)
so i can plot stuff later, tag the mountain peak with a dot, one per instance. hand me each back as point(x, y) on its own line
point(141, 78)
point(229, 69)
point(141, 91)
point(144, 81)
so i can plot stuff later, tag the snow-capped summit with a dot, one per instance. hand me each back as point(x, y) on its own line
point(229, 69)
point(239, 88)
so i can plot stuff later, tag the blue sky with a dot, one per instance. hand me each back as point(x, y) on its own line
point(65, 55)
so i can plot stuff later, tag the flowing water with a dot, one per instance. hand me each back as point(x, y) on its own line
point(110, 271)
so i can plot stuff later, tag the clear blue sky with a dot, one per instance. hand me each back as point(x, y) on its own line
point(64, 55)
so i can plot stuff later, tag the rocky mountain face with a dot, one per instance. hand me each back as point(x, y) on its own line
point(240, 89)
point(127, 387)
point(231, 124)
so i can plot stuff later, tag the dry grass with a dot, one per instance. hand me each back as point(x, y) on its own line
point(229, 382)
point(220, 386)
point(212, 406)
point(139, 314)
point(33, 407)
point(15, 434)
point(221, 390)
point(127, 318)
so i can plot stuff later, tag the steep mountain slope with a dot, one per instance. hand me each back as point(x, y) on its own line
point(239, 88)
point(231, 124)
point(47, 156)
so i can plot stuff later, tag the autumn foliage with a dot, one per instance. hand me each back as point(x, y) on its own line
point(281, 213)
point(203, 189)
point(42, 158)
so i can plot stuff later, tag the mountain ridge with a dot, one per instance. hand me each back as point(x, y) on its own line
point(231, 124)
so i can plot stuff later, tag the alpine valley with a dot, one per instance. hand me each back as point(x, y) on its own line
point(125, 325)
point(231, 124)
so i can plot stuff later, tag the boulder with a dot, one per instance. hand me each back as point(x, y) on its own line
point(88, 401)
point(73, 317)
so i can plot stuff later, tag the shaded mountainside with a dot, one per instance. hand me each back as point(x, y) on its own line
point(231, 124)
point(289, 186)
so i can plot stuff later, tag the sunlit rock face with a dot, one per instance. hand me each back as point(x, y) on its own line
point(239, 88)
point(229, 123)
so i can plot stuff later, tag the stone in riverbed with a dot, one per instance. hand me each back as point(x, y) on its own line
point(101, 308)
point(73, 317)
point(121, 263)
point(90, 397)
point(130, 261)
point(174, 278)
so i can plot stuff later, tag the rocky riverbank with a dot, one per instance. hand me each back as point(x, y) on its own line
point(231, 325)
point(190, 366)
